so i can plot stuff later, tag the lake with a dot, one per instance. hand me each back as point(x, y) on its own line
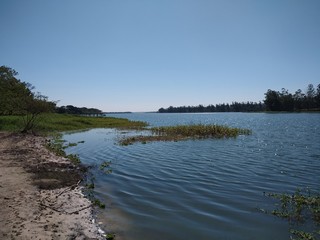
point(203, 189)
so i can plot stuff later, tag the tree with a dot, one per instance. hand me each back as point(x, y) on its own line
point(318, 96)
point(272, 101)
point(13, 92)
point(311, 97)
point(33, 108)
point(286, 99)
point(17, 98)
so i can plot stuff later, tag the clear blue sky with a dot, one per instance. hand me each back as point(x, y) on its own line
point(140, 55)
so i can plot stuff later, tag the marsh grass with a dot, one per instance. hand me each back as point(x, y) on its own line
point(65, 122)
point(183, 132)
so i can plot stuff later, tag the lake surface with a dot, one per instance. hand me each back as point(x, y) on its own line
point(203, 189)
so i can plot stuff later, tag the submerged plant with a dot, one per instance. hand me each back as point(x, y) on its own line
point(110, 236)
point(97, 202)
point(299, 208)
point(57, 145)
point(105, 167)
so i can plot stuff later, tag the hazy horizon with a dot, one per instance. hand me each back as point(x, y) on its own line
point(142, 55)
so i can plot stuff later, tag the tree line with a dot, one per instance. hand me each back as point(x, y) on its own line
point(299, 101)
point(69, 109)
point(19, 98)
point(234, 107)
point(274, 101)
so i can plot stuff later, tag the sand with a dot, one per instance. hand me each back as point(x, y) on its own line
point(40, 194)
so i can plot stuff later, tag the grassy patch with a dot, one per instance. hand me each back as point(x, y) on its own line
point(182, 132)
point(65, 122)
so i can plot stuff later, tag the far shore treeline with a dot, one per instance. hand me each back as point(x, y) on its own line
point(18, 98)
point(274, 101)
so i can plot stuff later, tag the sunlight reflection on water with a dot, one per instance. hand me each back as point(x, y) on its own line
point(205, 189)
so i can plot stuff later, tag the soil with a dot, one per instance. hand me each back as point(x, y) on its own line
point(40, 194)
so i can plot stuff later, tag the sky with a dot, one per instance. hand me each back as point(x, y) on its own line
point(141, 55)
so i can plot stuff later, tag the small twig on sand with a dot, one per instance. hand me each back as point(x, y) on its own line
point(69, 188)
point(65, 212)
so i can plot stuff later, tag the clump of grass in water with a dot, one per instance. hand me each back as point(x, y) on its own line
point(299, 208)
point(182, 132)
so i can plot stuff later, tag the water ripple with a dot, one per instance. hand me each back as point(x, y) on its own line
point(206, 189)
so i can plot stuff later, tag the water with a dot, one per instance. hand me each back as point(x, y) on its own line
point(203, 189)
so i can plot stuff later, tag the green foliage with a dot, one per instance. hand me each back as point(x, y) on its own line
point(90, 185)
point(57, 145)
point(97, 202)
point(274, 101)
point(53, 122)
point(182, 132)
point(13, 92)
point(17, 98)
point(110, 236)
point(299, 208)
point(285, 101)
point(69, 109)
point(233, 107)
point(105, 167)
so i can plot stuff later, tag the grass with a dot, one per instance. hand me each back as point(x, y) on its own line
point(182, 132)
point(52, 122)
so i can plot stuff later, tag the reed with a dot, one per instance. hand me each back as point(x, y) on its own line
point(183, 132)
point(200, 131)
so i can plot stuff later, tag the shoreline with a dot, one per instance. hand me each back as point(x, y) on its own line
point(40, 195)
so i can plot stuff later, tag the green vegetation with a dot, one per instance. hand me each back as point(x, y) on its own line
point(57, 145)
point(23, 110)
point(69, 109)
point(97, 202)
point(183, 132)
point(299, 101)
point(110, 236)
point(234, 107)
point(106, 167)
point(17, 98)
point(300, 208)
point(274, 101)
point(54, 122)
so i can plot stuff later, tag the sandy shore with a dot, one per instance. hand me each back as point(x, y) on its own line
point(40, 197)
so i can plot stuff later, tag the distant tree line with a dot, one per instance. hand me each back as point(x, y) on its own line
point(234, 107)
point(69, 109)
point(299, 101)
point(274, 101)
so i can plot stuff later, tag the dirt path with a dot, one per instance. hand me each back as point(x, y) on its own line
point(39, 194)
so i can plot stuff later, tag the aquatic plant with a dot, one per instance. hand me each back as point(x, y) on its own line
point(97, 202)
point(57, 145)
point(182, 132)
point(299, 208)
point(105, 167)
point(110, 236)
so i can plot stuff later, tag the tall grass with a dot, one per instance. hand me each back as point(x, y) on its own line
point(65, 122)
point(200, 131)
point(182, 132)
